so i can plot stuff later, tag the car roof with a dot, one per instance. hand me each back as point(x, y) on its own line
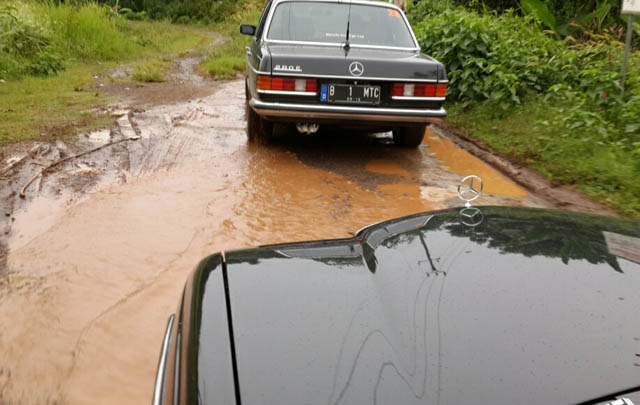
point(360, 2)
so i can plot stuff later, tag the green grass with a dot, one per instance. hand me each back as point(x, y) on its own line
point(150, 72)
point(46, 108)
point(227, 59)
point(605, 171)
point(89, 40)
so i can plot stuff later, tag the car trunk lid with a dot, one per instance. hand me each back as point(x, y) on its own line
point(333, 61)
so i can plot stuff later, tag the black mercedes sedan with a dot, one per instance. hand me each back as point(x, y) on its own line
point(488, 305)
point(355, 64)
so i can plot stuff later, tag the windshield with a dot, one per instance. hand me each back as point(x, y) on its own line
point(327, 22)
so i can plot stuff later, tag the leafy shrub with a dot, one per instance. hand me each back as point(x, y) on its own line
point(587, 133)
point(88, 32)
point(498, 58)
point(24, 49)
point(45, 63)
point(133, 15)
point(182, 12)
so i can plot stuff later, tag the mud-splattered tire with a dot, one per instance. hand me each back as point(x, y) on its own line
point(258, 129)
point(409, 137)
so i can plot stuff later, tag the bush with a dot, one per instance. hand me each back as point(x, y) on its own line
point(24, 49)
point(498, 58)
point(503, 58)
point(88, 32)
point(561, 105)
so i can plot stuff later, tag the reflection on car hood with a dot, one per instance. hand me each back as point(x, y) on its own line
point(528, 307)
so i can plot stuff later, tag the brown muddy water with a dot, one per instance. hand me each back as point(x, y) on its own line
point(93, 272)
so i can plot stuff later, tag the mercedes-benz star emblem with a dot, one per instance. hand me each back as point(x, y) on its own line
point(470, 189)
point(356, 69)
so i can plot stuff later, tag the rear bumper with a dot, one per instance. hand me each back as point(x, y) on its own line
point(292, 111)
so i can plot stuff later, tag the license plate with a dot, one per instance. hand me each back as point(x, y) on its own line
point(349, 94)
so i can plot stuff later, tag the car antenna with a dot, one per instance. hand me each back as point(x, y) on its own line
point(346, 42)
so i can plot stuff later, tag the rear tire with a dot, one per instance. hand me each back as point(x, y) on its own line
point(409, 137)
point(258, 129)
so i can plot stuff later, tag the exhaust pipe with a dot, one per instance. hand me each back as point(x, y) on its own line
point(307, 127)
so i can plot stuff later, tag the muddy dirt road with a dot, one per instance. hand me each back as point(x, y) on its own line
point(99, 251)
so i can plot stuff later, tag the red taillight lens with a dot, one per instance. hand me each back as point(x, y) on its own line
point(311, 86)
point(287, 84)
point(397, 89)
point(418, 89)
point(277, 83)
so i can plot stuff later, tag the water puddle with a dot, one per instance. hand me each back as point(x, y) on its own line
point(463, 163)
point(383, 166)
point(94, 283)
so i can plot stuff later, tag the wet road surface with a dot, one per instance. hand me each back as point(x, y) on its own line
point(92, 277)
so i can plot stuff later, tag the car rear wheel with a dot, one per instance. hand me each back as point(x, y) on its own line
point(409, 137)
point(258, 129)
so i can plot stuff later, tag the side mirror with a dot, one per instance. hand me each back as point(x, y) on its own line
point(248, 29)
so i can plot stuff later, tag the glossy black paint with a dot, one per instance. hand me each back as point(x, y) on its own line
point(200, 367)
point(527, 308)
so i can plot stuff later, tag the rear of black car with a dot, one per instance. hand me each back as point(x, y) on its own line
point(354, 64)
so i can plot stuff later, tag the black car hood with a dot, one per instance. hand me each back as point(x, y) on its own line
point(335, 61)
point(529, 307)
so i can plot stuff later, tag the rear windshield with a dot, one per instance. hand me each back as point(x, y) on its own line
point(327, 22)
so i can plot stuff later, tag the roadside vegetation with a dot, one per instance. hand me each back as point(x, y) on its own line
point(540, 82)
point(228, 59)
point(50, 55)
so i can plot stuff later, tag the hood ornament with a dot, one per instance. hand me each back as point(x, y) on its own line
point(470, 189)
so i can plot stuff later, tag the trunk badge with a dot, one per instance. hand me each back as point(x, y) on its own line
point(288, 68)
point(356, 69)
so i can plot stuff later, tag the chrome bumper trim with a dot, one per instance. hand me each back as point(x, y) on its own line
point(315, 111)
point(411, 98)
point(288, 93)
point(162, 363)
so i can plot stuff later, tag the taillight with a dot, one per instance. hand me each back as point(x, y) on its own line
point(418, 90)
point(397, 89)
point(276, 83)
point(264, 82)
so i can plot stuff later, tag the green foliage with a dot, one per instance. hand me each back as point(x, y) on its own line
point(498, 58)
point(505, 65)
point(178, 11)
point(88, 32)
point(35, 103)
point(24, 49)
point(575, 156)
point(540, 11)
point(225, 60)
point(40, 38)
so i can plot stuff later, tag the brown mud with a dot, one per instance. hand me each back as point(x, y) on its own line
point(100, 248)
